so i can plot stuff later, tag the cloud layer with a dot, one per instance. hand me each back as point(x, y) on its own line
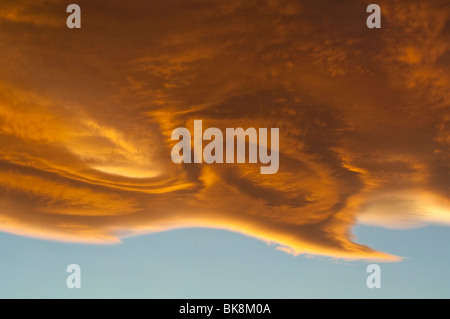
point(86, 118)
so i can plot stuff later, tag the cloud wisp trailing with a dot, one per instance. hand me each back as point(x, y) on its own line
point(86, 118)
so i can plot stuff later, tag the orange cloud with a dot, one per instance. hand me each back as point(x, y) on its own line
point(86, 118)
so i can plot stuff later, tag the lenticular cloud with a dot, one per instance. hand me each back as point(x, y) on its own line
point(86, 117)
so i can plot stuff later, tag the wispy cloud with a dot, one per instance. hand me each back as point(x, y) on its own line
point(86, 117)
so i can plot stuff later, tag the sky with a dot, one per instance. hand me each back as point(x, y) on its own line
point(86, 117)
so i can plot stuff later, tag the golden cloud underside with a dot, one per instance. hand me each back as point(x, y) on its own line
point(86, 118)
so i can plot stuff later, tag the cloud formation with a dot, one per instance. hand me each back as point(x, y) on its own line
point(86, 118)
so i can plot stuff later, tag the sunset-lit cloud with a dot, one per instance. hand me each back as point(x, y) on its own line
point(86, 117)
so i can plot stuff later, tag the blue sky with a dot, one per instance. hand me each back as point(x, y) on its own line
point(207, 263)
